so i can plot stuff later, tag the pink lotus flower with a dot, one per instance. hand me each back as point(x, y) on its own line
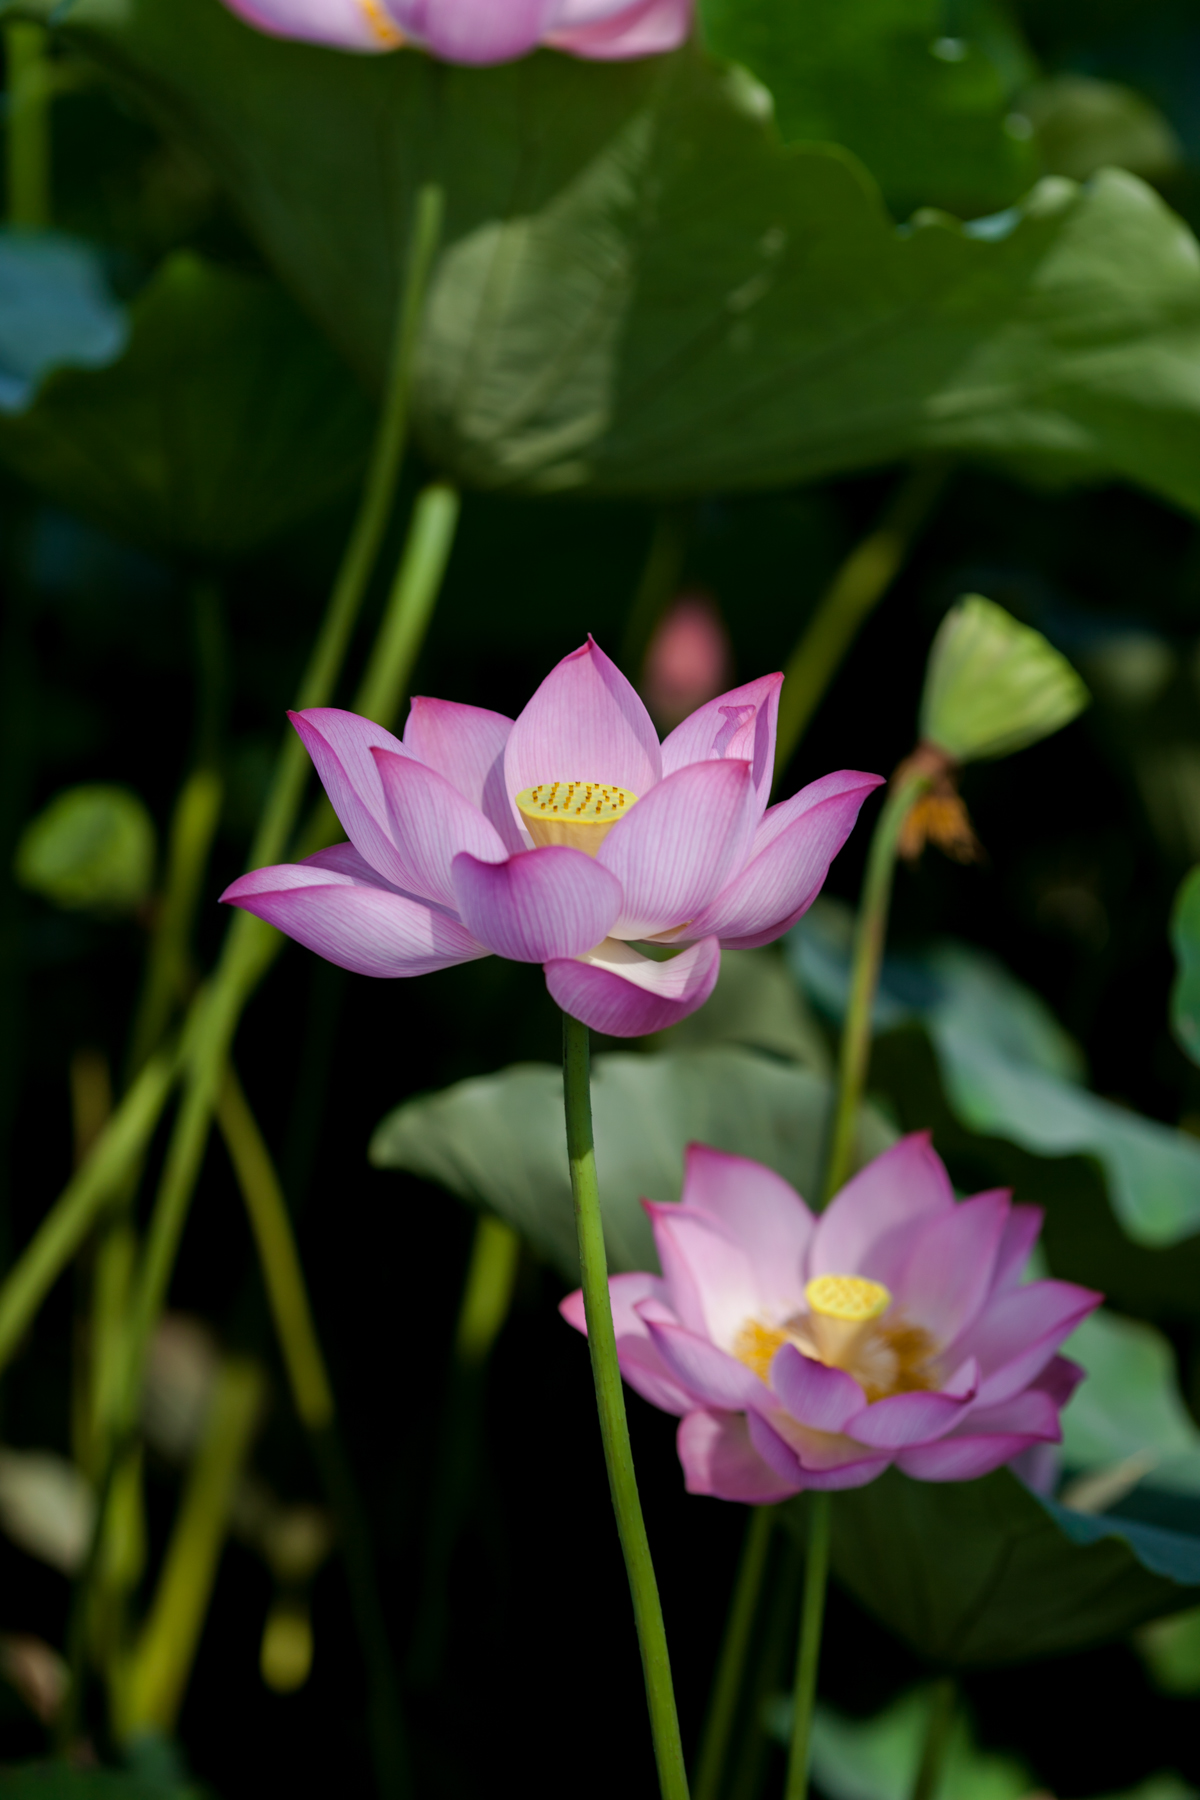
point(560, 839)
point(480, 31)
point(803, 1352)
point(688, 659)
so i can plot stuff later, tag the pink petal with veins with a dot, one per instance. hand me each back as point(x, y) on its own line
point(466, 745)
point(345, 24)
point(718, 1458)
point(543, 903)
point(340, 744)
point(476, 31)
point(354, 919)
point(758, 1208)
point(611, 34)
point(429, 822)
point(680, 845)
point(585, 723)
point(788, 864)
point(867, 1228)
point(814, 1394)
point(707, 733)
point(616, 991)
point(641, 1365)
point(947, 1274)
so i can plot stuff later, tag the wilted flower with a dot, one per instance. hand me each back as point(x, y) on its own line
point(687, 660)
point(804, 1352)
point(480, 31)
point(560, 839)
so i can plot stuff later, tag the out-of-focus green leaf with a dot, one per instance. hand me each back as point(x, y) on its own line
point(1129, 1411)
point(56, 311)
point(1185, 937)
point(1006, 1072)
point(757, 1004)
point(641, 292)
point(984, 1572)
point(227, 420)
point(993, 685)
point(878, 1759)
point(90, 850)
point(930, 115)
point(499, 1141)
point(1170, 1649)
point(143, 1780)
point(1083, 125)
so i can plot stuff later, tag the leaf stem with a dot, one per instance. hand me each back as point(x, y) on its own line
point(855, 591)
point(614, 1428)
point(812, 1614)
point(870, 931)
point(28, 125)
point(727, 1686)
point(939, 1727)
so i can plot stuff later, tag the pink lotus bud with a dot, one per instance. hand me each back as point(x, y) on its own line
point(689, 659)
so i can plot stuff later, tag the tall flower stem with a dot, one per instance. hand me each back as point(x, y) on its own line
point(28, 125)
point(812, 1614)
point(939, 1728)
point(610, 1402)
point(870, 932)
point(855, 591)
point(727, 1687)
point(250, 945)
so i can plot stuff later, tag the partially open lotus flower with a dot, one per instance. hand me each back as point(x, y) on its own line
point(480, 31)
point(562, 838)
point(811, 1352)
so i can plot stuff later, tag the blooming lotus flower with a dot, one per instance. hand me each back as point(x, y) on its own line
point(480, 31)
point(561, 838)
point(803, 1352)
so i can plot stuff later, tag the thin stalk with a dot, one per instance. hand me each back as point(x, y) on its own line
point(939, 1728)
point(727, 1686)
point(773, 1658)
point(250, 945)
point(812, 1615)
point(853, 594)
point(487, 1297)
point(89, 1191)
point(279, 1259)
point(28, 126)
point(610, 1402)
point(366, 537)
point(870, 931)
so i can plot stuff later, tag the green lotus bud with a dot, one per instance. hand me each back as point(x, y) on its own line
point(91, 850)
point(993, 685)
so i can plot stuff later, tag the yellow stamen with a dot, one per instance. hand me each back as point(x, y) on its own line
point(380, 22)
point(579, 814)
point(848, 1297)
point(756, 1344)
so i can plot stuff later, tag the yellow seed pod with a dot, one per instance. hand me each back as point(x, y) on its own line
point(579, 814)
point(850, 1298)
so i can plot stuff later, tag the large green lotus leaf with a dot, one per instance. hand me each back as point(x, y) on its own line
point(1129, 1414)
point(641, 292)
point(983, 1572)
point(227, 419)
point(1009, 1071)
point(56, 311)
point(499, 1141)
point(929, 114)
point(1185, 937)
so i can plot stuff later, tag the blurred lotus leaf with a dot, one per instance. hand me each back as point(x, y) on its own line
point(1185, 938)
point(227, 420)
point(931, 115)
point(499, 1141)
point(1128, 1421)
point(59, 1781)
point(1010, 1071)
point(993, 685)
point(985, 1572)
point(56, 311)
point(1170, 1649)
point(92, 849)
point(1083, 125)
point(756, 1004)
point(878, 1759)
point(46, 1506)
point(773, 327)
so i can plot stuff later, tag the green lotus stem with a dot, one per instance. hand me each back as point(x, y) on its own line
point(250, 945)
point(939, 1728)
point(193, 827)
point(162, 1659)
point(610, 1402)
point(93, 1187)
point(870, 931)
point(812, 1614)
point(28, 126)
point(853, 594)
point(279, 1259)
point(727, 1687)
point(488, 1292)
